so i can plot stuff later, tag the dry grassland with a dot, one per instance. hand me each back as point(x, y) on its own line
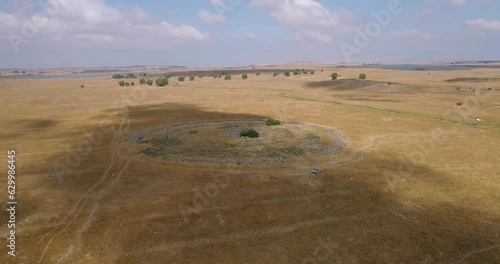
point(417, 182)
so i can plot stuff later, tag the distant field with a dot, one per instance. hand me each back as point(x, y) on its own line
point(416, 180)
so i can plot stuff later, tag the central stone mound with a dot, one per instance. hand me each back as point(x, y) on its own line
point(220, 141)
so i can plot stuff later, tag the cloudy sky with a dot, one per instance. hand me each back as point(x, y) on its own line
point(67, 33)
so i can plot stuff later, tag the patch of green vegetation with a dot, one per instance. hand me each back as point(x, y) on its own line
point(181, 78)
point(313, 136)
point(273, 122)
point(194, 132)
point(334, 76)
point(118, 76)
point(161, 81)
point(130, 76)
point(296, 151)
point(362, 76)
point(244, 76)
point(250, 133)
point(227, 77)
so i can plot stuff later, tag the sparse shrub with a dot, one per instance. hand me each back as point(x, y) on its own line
point(273, 122)
point(167, 75)
point(121, 83)
point(258, 74)
point(142, 81)
point(489, 89)
point(312, 72)
point(276, 74)
point(250, 133)
point(362, 76)
point(191, 78)
point(127, 84)
point(118, 76)
point(224, 73)
point(130, 76)
point(149, 82)
point(287, 74)
point(181, 78)
point(459, 103)
point(296, 72)
point(227, 77)
point(82, 86)
point(132, 83)
point(194, 132)
point(334, 76)
point(296, 151)
point(161, 81)
point(142, 74)
point(322, 70)
point(458, 88)
point(244, 76)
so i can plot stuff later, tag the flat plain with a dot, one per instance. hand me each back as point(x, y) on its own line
point(417, 180)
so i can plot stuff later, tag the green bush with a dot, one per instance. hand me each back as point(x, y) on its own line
point(311, 72)
point(191, 78)
point(142, 81)
point(276, 74)
point(82, 86)
point(181, 78)
point(121, 83)
point(127, 84)
point(362, 76)
point(167, 75)
point(244, 76)
point(273, 122)
point(161, 81)
point(132, 83)
point(297, 72)
point(258, 74)
point(118, 76)
point(334, 76)
point(149, 82)
point(130, 76)
point(227, 77)
point(287, 74)
point(250, 133)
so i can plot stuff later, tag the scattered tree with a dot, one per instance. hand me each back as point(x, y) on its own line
point(273, 122)
point(161, 81)
point(334, 76)
point(250, 133)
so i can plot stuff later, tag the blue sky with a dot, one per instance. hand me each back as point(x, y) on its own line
point(207, 33)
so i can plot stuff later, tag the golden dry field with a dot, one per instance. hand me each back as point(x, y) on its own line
point(417, 179)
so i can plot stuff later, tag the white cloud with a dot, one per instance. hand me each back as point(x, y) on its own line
point(308, 18)
point(251, 35)
point(93, 21)
point(300, 12)
point(457, 3)
point(483, 25)
point(210, 18)
point(414, 35)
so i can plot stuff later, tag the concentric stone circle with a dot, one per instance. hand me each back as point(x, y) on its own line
point(218, 141)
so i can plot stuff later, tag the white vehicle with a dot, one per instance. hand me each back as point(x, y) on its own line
point(316, 170)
